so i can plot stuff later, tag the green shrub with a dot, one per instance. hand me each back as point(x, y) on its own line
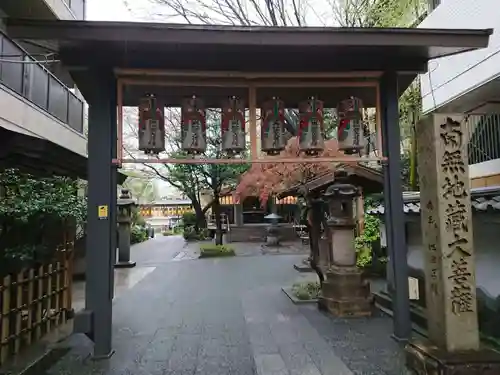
point(178, 229)
point(211, 250)
point(363, 243)
point(138, 234)
point(189, 219)
point(137, 218)
point(168, 233)
point(190, 234)
point(34, 214)
point(204, 233)
point(307, 290)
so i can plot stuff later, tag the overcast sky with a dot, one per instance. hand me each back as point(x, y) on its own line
point(317, 12)
point(107, 10)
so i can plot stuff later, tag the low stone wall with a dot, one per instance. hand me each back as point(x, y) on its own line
point(258, 233)
point(488, 307)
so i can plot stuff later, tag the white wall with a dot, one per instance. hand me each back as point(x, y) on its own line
point(484, 169)
point(455, 75)
point(18, 114)
point(487, 251)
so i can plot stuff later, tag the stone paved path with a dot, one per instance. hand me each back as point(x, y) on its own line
point(229, 316)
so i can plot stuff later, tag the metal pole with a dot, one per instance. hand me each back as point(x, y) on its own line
point(394, 214)
point(101, 227)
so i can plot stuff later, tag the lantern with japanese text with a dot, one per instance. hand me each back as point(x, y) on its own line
point(350, 129)
point(151, 126)
point(193, 126)
point(273, 127)
point(233, 126)
point(311, 133)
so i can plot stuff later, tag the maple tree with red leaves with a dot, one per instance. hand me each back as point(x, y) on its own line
point(266, 179)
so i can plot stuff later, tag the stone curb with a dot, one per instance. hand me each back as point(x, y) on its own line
point(295, 300)
point(41, 356)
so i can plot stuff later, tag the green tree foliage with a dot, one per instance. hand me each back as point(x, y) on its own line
point(371, 234)
point(34, 213)
point(141, 186)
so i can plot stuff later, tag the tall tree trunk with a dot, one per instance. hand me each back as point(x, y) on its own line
point(218, 220)
point(201, 221)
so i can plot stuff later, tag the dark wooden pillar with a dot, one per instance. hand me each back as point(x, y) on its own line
point(96, 319)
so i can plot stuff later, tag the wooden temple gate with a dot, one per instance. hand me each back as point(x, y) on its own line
point(118, 64)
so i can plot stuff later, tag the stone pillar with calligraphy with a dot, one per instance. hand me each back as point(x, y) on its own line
point(453, 346)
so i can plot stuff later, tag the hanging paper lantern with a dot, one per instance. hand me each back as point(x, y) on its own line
point(350, 129)
point(273, 127)
point(193, 126)
point(311, 133)
point(151, 126)
point(233, 126)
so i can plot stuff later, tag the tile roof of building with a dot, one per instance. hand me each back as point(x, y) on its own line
point(169, 202)
point(482, 199)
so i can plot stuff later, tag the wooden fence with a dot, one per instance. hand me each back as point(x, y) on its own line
point(34, 302)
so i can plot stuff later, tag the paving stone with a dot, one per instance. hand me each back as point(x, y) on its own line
point(270, 364)
point(229, 316)
point(306, 369)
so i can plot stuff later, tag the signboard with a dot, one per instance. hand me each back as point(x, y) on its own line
point(413, 288)
point(102, 212)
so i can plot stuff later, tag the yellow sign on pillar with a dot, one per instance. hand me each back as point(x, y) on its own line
point(102, 212)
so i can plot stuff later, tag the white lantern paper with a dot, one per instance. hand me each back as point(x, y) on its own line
point(350, 130)
point(151, 126)
point(311, 133)
point(233, 126)
point(193, 126)
point(273, 127)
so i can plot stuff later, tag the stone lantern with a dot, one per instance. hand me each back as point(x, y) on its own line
point(273, 230)
point(124, 220)
point(345, 293)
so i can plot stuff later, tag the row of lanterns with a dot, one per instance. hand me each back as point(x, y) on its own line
point(193, 126)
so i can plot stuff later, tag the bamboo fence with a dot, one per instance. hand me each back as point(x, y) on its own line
point(34, 302)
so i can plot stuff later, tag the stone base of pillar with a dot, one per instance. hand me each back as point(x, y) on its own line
point(324, 254)
point(423, 357)
point(128, 264)
point(345, 293)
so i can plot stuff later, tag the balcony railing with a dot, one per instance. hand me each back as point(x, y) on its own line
point(22, 74)
point(484, 137)
point(77, 7)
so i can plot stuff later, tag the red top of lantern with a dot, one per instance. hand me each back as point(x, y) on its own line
point(233, 109)
point(274, 108)
point(193, 109)
point(310, 109)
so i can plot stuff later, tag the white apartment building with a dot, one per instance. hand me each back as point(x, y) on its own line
point(42, 126)
point(469, 83)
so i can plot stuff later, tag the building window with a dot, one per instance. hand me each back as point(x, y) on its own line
point(433, 4)
point(484, 142)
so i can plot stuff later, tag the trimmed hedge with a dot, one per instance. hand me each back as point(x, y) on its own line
point(210, 251)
